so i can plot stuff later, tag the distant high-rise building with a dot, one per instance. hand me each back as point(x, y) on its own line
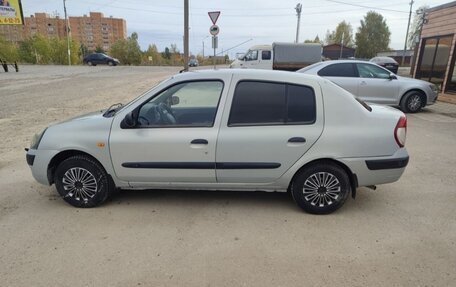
point(92, 31)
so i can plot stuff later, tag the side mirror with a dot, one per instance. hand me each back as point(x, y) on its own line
point(392, 76)
point(175, 100)
point(130, 120)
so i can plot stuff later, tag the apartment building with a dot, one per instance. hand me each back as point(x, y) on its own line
point(93, 30)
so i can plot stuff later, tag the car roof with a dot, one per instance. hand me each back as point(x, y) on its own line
point(267, 75)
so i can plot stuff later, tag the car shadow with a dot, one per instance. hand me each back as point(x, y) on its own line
point(204, 198)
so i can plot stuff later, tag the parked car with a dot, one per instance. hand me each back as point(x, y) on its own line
point(193, 62)
point(227, 130)
point(375, 84)
point(387, 63)
point(100, 59)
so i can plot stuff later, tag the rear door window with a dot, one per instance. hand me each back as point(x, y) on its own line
point(338, 70)
point(270, 103)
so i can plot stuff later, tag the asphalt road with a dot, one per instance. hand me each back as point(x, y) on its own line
point(402, 234)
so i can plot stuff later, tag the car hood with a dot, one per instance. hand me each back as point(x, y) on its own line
point(412, 80)
point(76, 132)
point(85, 117)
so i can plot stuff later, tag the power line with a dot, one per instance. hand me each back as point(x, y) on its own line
point(368, 7)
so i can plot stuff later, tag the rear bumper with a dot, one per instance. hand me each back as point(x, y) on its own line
point(378, 170)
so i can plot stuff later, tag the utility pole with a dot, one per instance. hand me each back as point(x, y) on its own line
point(67, 28)
point(342, 44)
point(186, 35)
point(406, 35)
point(298, 9)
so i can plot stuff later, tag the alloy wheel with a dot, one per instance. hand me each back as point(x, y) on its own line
point(322, 189)
point(80, 184)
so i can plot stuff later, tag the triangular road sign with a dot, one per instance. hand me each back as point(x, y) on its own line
point(214, 16)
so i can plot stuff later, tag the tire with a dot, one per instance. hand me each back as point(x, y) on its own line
point(412, 102)
point(111, 63)
point(310, 188)
point(82, 181)
point(89, 63)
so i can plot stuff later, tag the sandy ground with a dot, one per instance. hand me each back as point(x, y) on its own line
point(403, 234)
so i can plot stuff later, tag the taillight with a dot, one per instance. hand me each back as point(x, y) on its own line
point(400, 132)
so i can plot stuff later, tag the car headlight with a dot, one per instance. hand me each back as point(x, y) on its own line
point(434, 88)
point(37, 139)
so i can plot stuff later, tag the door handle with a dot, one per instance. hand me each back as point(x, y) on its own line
point(199, 141)
point(297, 140)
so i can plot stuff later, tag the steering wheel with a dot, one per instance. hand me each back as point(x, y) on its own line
point(166, 114)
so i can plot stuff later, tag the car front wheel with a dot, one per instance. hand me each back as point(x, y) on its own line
point(82, 182)
point(321, 188)
point(412, 102)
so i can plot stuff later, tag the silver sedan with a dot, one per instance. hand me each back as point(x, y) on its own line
point(375, 84)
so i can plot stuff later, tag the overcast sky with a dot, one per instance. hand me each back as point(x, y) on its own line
point(161, 22)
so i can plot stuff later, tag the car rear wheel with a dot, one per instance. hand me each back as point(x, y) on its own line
point(412, 102)
point(321, 188)
point(82, 182)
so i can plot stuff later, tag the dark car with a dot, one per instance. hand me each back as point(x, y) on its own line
point(100, 59)
point(387, 63)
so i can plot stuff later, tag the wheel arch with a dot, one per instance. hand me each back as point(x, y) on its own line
point(423, 95)
point(351, 176)
point(63, 155)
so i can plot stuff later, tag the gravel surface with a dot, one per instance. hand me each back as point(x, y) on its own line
point(402, 234)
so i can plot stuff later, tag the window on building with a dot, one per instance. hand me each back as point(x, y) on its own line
point(434, 58)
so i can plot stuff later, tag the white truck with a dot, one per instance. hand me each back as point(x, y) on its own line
point(280, 56)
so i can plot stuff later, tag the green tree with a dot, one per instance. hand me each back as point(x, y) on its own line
point(152, 52)
point(98, 49)
point(415, 26)
point(8, 51)
point(344, 30)
point(59, 51)
point(134, 50)
point(127, 51)
point(316, 40)
point(36, 50)
point(166, 54)
point(373, 36)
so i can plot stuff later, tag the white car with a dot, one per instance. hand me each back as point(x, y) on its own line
point(227, 130)
point(374, 84)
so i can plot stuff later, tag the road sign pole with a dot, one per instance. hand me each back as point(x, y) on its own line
point(214, 30)
point(214, 45)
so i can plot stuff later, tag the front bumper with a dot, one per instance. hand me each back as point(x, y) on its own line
point(38, 161)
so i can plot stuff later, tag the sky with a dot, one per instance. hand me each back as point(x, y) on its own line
point(251, 22)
